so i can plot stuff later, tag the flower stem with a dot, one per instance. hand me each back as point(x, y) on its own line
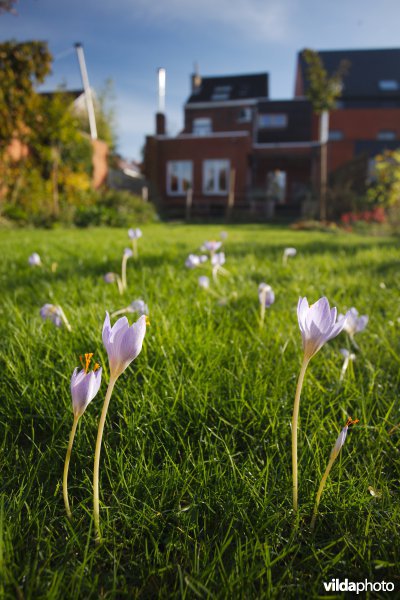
point(295, 419)
point(134, 248)
point(320, 489)
point(96, 508)
point(120, 312)
point(120, 285)
point(262, 307)
point(64, 318)
point(123, 271)
point(66, 466)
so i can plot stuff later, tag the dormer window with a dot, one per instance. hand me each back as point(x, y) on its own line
point(221, 92)
point(272, 121)
point(388, 85)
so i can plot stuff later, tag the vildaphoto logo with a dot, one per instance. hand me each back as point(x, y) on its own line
point(335, 585)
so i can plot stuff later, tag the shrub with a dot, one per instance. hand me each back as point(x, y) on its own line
point(115, 209)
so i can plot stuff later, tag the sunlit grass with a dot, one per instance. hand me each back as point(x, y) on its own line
point(196, 490)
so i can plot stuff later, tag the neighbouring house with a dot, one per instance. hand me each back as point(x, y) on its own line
point(237, 145)
point(18, 150)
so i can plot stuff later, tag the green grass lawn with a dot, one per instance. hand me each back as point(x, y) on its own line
point(195, 479)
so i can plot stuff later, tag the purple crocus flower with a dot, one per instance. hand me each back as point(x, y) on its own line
point(211, 246)
point(84, 386)
point(204, 282)
point(317, 324)
point(266, 295)
point(192, 261)
point(135, 234)
point(110, 277)
point(34, 260)
point(218, 259)
point(122, 342)
point(354, 324)
point(53, 313)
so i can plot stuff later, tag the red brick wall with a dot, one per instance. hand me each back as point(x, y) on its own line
point(197, 149)
point(224, 118)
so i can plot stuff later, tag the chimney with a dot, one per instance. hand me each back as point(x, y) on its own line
point(160, 123)
point(196, 79)
point(160, 115)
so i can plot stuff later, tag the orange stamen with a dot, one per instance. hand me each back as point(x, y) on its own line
point(351, 422)
point(88, 358)
point(96, 366)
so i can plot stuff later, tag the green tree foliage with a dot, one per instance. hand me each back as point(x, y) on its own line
point(61, 151)
point(23, 65)
point(323, 90)
point(385, 187)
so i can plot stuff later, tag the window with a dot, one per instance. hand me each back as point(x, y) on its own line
point(202, 126)
point(386, 135)
point(221, 92)
point(272, 121)
point(179, 177)
point(388, 85)
point(216, 177)
point(335, 135)
point(244, 115)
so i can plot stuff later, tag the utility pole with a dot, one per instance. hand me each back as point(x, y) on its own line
point(87, 90)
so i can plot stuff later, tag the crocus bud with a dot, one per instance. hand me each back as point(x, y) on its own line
point(341, 439)
point(128, 253)
point(123, 342)
point(266, 295)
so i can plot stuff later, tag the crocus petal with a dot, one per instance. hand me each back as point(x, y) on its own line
point(123, 343)
point(84, 387)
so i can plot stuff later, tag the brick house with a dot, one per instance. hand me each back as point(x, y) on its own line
point(237, 142)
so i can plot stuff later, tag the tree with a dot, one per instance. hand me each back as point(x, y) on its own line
point(61, 151)
point(323, 91)
point(7, 6)
point(22, 67)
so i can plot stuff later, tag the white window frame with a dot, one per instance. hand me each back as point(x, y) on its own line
point(245, 115)
point(202, 126)
point(181, 166)
point(218, 163)
point(276, 121)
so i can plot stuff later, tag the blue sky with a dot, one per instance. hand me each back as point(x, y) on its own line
point(127, 40)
